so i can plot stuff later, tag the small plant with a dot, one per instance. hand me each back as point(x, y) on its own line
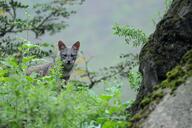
point(36, 101)
point(167, 4)
point(135, 36)
point(134, 80)
point(159, 15)
point(129, 65)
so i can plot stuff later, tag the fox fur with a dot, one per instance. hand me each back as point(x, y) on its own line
point(67, 56)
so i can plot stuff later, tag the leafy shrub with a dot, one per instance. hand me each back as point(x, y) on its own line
point(130, 61)
point(39, 102)
point(135, 36)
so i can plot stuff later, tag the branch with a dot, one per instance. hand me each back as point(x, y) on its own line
point(44, 20)
point(94, 81)
point(13, 15)
point(38, 24)
point(105, 77)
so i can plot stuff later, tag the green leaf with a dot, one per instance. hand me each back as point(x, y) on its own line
point(3, 72)
point(27, 59)
point(5, 79)
point(109, 124)
point(106, 97)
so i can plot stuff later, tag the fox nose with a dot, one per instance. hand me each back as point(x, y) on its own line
point(68, 62)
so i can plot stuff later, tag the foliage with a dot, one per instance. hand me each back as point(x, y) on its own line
point(135, 36)
point(10, 46)
point(33, 101)
point(167, 4)
point(46, 16)
point(46, 102)
point(134, 80)
point(128, 67)
point(41, 18)
point(159, 15)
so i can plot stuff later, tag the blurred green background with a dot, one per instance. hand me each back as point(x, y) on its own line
point(92, 26)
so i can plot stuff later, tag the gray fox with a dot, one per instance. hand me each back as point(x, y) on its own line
point(67, 57)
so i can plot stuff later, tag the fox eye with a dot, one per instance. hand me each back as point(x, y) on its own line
point(64, 55)
point(72, 55)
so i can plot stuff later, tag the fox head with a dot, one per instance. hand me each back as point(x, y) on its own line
point(68, 55)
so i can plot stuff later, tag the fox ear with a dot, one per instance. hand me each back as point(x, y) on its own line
point(61, 45)
point(76, 45)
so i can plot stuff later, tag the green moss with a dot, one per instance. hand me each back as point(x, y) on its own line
point(187, 58)
point(158, 94)
point(129, 124)
point(175, 78)
point(175, 73)
point(187, 61)
point(189, 67)
point(136, 117)
point(145, 101)
point(179, 74)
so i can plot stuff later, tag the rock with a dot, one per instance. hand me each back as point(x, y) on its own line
point(174, 111)
point(165, 47)
point(169, 104)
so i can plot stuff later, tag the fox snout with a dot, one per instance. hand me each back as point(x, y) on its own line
point(69, 62)
point(68, 58)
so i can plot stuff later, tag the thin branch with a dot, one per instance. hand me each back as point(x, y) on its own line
point(94, 81)
point(13, 15)
point(105, 77)
point(44, 20)
point(89, 75)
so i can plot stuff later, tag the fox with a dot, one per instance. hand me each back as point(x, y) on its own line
point(67, 56)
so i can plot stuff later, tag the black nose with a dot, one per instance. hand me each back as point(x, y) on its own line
point(68, 62)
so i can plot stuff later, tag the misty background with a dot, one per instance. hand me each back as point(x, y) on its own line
point(92, 26)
